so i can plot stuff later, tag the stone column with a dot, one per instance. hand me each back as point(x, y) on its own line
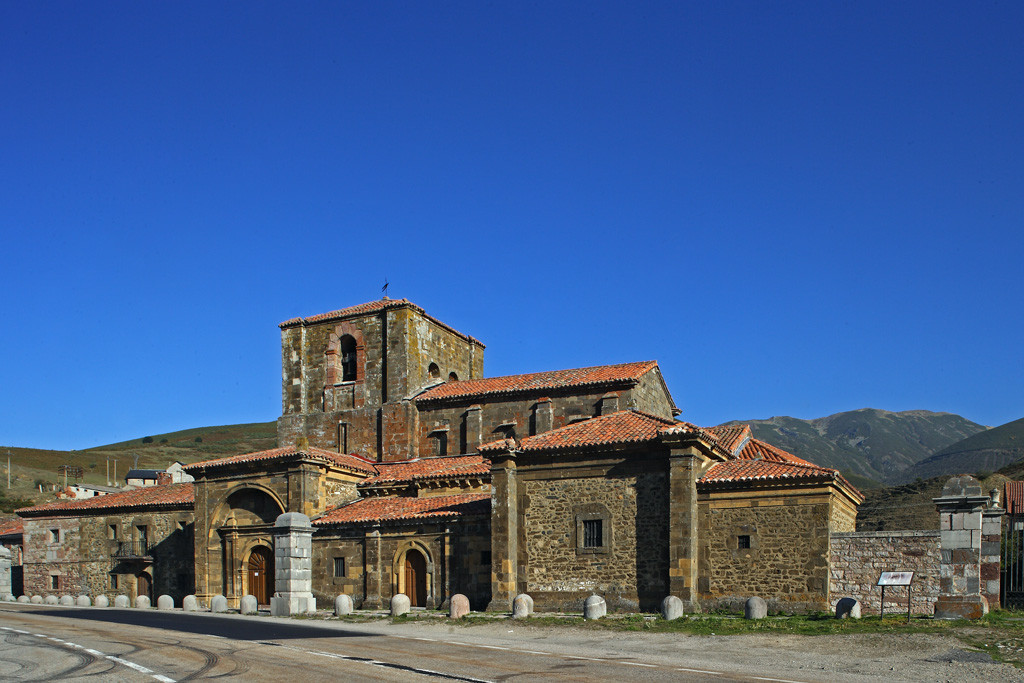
point(371, 571)
point(504, 532)
point(6, 583)
point(474, 428)
point(293, 566)
point(960, 507)
point(991, 538)
point(684, 469)
point(543, 416)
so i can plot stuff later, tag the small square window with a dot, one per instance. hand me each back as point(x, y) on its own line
point(743, 541)
point(113, 582)
point(112, 532)
point(54, 582)
point(592, 533)
point(339, 566)
point(54, 535)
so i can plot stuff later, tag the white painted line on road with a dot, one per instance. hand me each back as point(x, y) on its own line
point(96, 653)
point(491, 647)
point(702, 671)
point(639, 664)
point(386, 665)
point(533, 652)
point(777, 680)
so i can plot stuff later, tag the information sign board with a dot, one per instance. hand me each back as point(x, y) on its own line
point(895, 579)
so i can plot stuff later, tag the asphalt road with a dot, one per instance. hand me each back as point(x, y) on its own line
point(38, 643)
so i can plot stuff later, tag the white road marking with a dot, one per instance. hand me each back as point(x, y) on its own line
point(777, 680)
point(702, 671)
point(638, 664)
point(123, 662)
point(374, 662)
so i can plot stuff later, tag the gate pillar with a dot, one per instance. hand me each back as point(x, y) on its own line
point(293, 566)
point(961, 507)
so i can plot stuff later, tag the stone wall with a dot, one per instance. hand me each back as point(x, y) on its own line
point(458, 561)
point(857, 560)
point(83, 559)
point(786, 558)
point(630, 570)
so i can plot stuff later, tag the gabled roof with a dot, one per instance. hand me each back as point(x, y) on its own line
point(11, 527)
point(394, 508)
point(623, 427)
point(731, 437)
point(343, 460)
point(424, 469)
point(596, 376)
point(372, 307)
point(756, 449)
point(765, 471)
point(142, 474)
point(168, 496)
point(1013, 497)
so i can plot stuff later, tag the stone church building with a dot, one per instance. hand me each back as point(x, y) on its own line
point(424, 477)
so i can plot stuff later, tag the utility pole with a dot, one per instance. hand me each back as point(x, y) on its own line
point(108, 470)
point(8, 468)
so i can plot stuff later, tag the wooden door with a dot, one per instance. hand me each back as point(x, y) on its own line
point(416, 578)
point(261, 574)
point(144, 585)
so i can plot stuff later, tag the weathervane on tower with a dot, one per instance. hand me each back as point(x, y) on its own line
point(384, 289)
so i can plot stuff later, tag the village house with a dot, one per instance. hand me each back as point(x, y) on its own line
point(424, 477)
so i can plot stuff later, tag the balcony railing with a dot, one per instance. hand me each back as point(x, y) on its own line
point(127, 549)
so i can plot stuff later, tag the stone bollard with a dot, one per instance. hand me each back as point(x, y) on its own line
point(671, 608)
point(218, 604)
point(248, 605)
point(122, 602)
point(190, 604)
point(50, 600)
point(399, 605)
point(66, 601)
point(165, 602)
point(459, 606)
point(9, 597)
point(594, 608)
point(83, 601)
point(24, 598)
point(342, 605)
point(847, 607)
point(522, 606)
point(142, 602)
point(36, 599)
point(101, 601)
point(755, 608)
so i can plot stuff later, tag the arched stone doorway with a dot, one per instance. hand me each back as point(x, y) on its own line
point(416, 578)
point(261, 574)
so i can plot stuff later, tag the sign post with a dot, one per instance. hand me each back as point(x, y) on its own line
point(894, 579)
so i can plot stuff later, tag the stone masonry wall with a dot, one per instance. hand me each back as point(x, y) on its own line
point(786, 562)
point(631, 573)
point(857, 559)
point(83, 560)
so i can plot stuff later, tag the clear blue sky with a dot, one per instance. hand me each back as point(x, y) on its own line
point(797, 208)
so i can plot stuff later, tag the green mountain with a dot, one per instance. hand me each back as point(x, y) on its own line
point(35, 468)
point(871, 443)
point(988, 451)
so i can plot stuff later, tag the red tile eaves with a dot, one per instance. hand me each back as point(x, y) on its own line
point(597, 375)
point(11, 527)
point(423, 469)
point(1013, 497)
point(623, 427)
point(348, 461)
point(170, 495)
point(397, 508)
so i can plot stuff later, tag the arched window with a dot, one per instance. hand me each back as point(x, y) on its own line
point(433, 371)
point(452, 377)
point(348, 358)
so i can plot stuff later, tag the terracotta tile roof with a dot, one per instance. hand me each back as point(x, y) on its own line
point(372, 307)
point(1013, 497)
point(11, 527)
point(753, 471)
point(423, 469)
point(625, 426)
point(731, 437)
point(170, 496)
point(540, 381)
point(391, 508)
point(756, 449)
point(351, 462)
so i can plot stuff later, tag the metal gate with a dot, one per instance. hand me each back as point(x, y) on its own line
point(1012, 566)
